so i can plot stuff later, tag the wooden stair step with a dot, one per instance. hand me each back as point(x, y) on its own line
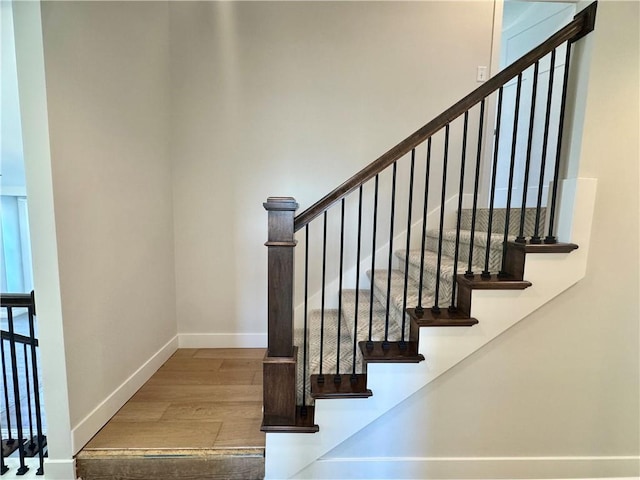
point(305, 422)
point(493, 282)
point(516, 253)
point(348, 386)
point(445, 318)
point(544, 247)
point(393, 354)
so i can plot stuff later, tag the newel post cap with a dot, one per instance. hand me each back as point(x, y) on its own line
point(281, 203)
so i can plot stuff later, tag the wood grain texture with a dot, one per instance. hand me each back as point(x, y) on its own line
point(198, 417)
point(197, 467)
point(279, 397)
point(443, 319)
point(494, 282)
point(394, 354)
point(348, 387)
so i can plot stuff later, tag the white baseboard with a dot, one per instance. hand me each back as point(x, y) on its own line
point(450, 468)
point(53, 469)
point(222, 340)
point(92, 423)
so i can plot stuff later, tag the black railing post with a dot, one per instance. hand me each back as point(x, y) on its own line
point(337, 378)
point(373, 261)
point(486, 273)
point(323, 294)
point(452, 306)
point(419, 310)
point(545, 141)
point(550, 238)
point(305, 328)
point(357, 299)
point(474, 209)
point(385, 344)
point(279, 365)
point(514, 145)
point(436, 307)
point(403, 344)
point(16, 392)
point(525, 183)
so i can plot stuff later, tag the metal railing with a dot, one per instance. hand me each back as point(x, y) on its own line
point(21, 419)
point(447, 137)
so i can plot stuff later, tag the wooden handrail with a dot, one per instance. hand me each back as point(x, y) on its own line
point(582, 24)
point(22, 300)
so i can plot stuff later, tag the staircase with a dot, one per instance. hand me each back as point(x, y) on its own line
point(409, 285)
point(413, 268)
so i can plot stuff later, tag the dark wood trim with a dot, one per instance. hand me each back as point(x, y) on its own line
point(17, 300)
point(543, 247)
point(279, 390)
point(516, 252)
point(304, 423)
point(574, 30)
point(280, 245)
point(514, 262)
point(279, 364)
point(494, 282)
point(392, 355)
point(464, 298)
point(588, 16)
point(347, 388)
point(443, 319)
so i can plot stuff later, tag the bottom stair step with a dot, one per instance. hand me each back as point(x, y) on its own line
point(305, 422)
point(392, 354)
point(339, 386)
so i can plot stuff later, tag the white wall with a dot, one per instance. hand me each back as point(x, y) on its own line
point(107, 75)
point(12, 181)
point(291, 98)
point(564, 383)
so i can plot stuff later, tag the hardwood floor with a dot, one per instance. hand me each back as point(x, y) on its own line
point(198, 417)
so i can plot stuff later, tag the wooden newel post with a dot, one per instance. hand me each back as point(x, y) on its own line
point(279, 365)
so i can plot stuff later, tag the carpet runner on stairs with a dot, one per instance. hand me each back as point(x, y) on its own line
point(373, 310)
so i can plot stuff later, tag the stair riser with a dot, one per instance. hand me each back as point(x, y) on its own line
point(329, 361)
point(479, 251)
point(396, 303)
point(498, 220)
point(429, 277)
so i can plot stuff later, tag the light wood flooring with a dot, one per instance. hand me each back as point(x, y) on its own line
point(198, 417)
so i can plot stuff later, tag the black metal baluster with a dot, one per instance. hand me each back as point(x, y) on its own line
point(3, 467)
point(385, 344)
point(10, 440)
point(436, 308)
point(324, 275)
point(419, 310)
point(486, 273)
point(452, 307)
point(29, 411)
point(550, 238)
point(303, 410)
point(527, 166)
point(36, 386)
point(536, 234)
point(373, 262)
point(474, 208)
point(337, 378)
point(514, 142)
point(355, 318)
point(16, 392)
point(402, 345)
